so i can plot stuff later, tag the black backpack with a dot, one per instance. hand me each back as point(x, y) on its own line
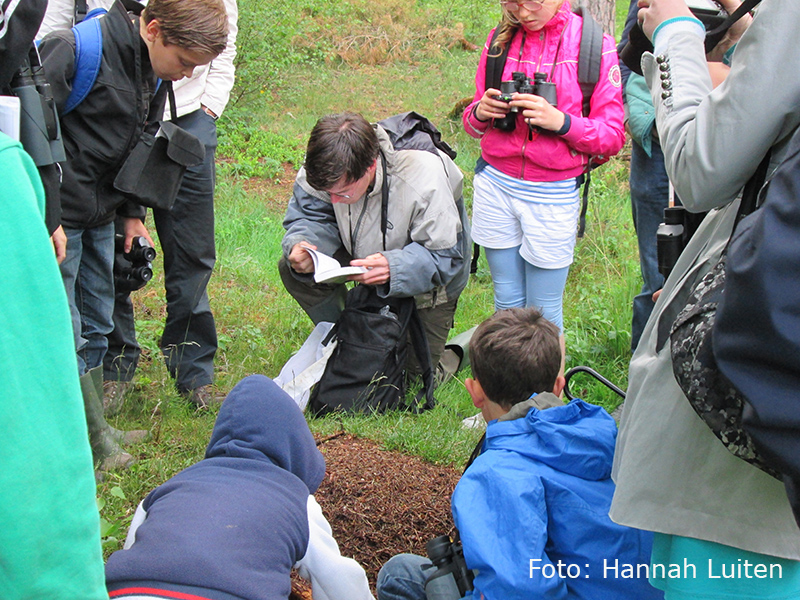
point(366, 372)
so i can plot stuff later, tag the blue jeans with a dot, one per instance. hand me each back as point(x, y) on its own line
point(517, 283)
point(88, 274)
point(649, 197)
point(402, 578)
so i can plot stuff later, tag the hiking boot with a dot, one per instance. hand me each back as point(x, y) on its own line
point(114, 396)
point(203, 397)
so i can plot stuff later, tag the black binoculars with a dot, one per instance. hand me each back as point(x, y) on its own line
point(522, 84)
point(452, 579)
point(710, 13)
point(673, 234)
point(133, 269)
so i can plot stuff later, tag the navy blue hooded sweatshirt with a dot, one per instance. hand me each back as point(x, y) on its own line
point(232, 525)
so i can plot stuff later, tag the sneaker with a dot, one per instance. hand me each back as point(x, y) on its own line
point(203, 397)
point(114, 396)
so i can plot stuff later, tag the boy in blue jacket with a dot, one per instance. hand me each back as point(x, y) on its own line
point(532, 509)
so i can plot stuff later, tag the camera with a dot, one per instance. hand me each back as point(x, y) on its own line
point(520, 83)
point(451, 579)
point(710, 13)
point(673, 234)
point(132, 270)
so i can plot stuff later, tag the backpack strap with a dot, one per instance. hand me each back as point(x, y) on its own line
point(88, 56)
point(495, 63)
point(591, 54)
point(589, 62)
point(81, 9)
point(384, 199)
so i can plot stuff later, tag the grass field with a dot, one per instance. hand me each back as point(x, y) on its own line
point(295, 64)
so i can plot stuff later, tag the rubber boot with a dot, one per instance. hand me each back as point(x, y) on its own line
point(123, 438)
point(455, 356)
point(105, 448)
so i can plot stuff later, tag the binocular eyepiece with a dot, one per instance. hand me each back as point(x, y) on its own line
point(521, 83)
point(133, 269)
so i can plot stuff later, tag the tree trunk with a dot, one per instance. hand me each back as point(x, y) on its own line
point(603, 11)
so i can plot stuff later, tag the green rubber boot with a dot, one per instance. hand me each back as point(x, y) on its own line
point(106, 450)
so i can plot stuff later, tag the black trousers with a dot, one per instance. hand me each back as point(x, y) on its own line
point(186, 233)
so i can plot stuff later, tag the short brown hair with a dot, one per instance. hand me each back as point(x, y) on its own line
point(515, 353)
point(341, 145)
point(195, 25)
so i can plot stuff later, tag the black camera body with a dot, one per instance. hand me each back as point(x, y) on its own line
point(673, 234)
point(452, 579)
point(710, 13)
point(522, 84)
point(132, 270)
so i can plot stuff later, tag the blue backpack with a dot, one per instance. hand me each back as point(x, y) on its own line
point(88, 56)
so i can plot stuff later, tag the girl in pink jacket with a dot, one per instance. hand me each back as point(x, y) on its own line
point(526, 200)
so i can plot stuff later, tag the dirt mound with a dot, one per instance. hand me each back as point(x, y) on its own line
point(381, 503)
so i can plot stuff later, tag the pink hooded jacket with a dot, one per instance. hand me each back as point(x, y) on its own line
point(548, 156)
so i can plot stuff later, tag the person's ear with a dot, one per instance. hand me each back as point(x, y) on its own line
point(558, 386)
point(475, 390)
point(152, 30)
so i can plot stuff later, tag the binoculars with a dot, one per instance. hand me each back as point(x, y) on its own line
point(452, 579)
point(133, 269)
point(520, 83)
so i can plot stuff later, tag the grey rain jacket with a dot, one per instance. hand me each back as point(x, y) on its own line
point(427, 241)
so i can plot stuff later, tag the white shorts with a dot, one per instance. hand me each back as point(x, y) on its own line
point(545, 231)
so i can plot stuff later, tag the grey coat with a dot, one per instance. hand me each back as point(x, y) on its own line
point(427, 242)
point(672, 474)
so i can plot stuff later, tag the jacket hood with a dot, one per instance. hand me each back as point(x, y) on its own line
point(577, 438)
point(259, 421)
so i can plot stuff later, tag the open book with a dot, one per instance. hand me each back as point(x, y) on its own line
point(328, 270)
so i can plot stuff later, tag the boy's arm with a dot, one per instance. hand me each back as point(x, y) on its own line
point(332, 576)
point(503, 526)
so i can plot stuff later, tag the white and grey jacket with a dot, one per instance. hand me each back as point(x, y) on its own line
point(427, 239)
point(673, 475)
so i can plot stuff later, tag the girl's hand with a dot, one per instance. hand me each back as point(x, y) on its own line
point(490, 107)
point(539, 112)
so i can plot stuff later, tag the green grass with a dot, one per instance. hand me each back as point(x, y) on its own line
point(284, 85)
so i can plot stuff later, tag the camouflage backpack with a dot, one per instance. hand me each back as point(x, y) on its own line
point(713, 397)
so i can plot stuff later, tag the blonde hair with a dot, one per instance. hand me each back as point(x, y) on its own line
point(196, 25)
point(506, 30)
point(508, 27)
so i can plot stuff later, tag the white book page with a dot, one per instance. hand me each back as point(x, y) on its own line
point(328, 270)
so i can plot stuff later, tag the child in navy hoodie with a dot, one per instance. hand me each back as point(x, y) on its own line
point(232, 526)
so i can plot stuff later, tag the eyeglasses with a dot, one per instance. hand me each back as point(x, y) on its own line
point(513, 6)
